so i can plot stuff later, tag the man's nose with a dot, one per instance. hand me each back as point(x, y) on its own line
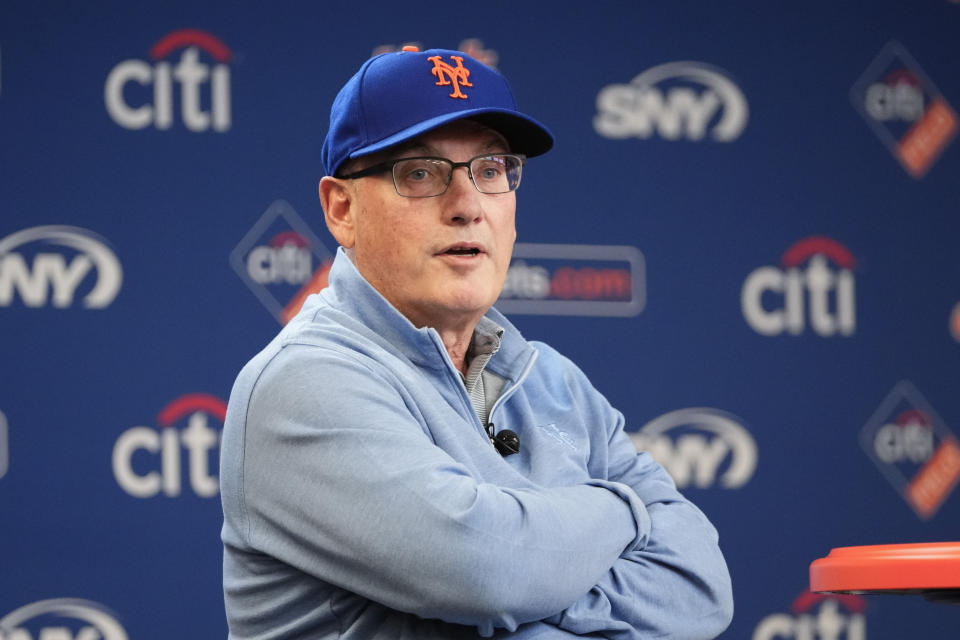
point(465, 202)
point(464, 175)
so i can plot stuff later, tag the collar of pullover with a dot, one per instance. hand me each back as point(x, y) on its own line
point(350, 294)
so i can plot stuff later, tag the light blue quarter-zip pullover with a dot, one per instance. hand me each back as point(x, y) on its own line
point(363, 500)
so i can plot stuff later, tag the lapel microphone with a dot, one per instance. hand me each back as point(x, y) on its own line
point(505, 441)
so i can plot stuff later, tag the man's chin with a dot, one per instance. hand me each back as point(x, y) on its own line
point(466, 303)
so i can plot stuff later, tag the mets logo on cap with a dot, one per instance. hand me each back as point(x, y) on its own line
point(447, 75)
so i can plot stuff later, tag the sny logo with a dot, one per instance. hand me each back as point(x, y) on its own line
point(62, 619)
point(59, 272)
point(282, 261)
point(189, 73)
point(913, 448)
point(198, 438)
point(829, 304)
point(446, 75)
point(676, 100)
point(817, 617)
point(693, 444)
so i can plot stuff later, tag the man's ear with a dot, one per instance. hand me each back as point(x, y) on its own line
point(336, 197)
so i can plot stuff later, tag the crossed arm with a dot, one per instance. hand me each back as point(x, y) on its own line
point(675, 586)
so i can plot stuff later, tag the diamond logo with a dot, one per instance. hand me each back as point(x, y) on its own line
point(913, 448)
point(282, 261)
point(905, 109)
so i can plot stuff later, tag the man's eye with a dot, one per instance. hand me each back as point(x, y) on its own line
point(418, 171)
point(489, 171)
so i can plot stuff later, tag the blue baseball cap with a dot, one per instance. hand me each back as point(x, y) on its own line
point(397, 96)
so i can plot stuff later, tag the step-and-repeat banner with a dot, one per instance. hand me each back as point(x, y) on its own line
point(746, 235)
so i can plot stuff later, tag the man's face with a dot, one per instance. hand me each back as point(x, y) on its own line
point(418, 252)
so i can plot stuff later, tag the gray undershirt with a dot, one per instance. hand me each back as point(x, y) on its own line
point(483, 387)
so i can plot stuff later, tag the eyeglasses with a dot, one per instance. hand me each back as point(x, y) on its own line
point(428, 177)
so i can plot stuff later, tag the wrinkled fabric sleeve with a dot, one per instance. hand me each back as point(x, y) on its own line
point(341, 481)
point(677, 585)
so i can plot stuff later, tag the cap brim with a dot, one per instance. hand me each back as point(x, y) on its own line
point(524, 134)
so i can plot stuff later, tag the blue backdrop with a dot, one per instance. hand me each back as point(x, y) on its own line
point(746, 235)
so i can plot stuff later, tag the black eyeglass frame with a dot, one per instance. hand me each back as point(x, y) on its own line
point(388, 165)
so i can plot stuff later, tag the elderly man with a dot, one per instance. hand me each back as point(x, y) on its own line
point(399, 462)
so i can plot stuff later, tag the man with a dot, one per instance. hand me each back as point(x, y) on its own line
point(400, 462)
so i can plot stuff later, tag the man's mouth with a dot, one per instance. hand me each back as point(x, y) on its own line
point(462, 251)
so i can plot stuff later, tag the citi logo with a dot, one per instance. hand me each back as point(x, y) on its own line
point(286, 258)
point(46, 266)
point(908, 438)
point(132, 105)
point(61, 619)
point(674, 100)
point(817, 617)
point(899, 97)
point(700, 447)
point(148, 461)
point(804, 290)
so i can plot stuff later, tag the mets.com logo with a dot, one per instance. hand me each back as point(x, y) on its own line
point(675, 100)
point(148, 461)
point(50, 265)
point(904, 109)
point(574, 280)
point(141, 93)
point(817, 617)
point(61, 619)
point(804, 290)
point(913, 448)
point(700, 447)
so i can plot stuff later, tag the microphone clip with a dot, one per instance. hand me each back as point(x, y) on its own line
point(505, 441)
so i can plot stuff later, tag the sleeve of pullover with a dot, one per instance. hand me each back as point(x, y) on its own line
point(677, 585)
point(340, 480)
